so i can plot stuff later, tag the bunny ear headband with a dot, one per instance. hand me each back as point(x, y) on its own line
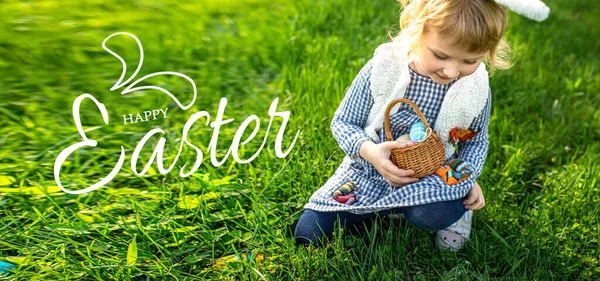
point(533, 9)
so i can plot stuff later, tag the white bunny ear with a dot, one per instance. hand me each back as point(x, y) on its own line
point(533, 9)
point(130, 88)
point(120, 83)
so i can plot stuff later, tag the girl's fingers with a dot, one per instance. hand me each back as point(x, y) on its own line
point(398, 177)
point(478, 204)
point(473, 206)
point(401, 181)
point(402, 144)
point(394, 175)
point(392, 169)
point(395, 144)
point(473, 196)
point(411, 180)
point(476, 200)
point(482, 201)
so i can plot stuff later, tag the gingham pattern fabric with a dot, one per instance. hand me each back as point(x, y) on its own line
point(374, 193)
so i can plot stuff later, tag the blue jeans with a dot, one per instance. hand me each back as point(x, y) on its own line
point(314, 226)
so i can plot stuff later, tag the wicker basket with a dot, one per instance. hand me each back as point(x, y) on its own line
point(424, 157)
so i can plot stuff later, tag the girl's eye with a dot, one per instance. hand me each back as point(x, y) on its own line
point(441, 58)
point(470, 62)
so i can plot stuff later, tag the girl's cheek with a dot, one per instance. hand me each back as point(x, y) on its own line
point(471, 69)
point(434, 66)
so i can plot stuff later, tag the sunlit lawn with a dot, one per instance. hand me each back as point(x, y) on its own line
point(540, 181)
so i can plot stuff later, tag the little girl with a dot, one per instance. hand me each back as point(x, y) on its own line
point(436, 62)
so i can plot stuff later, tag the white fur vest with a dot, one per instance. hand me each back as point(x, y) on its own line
point(390, 78)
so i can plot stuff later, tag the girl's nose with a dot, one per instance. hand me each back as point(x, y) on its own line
point(451, 72)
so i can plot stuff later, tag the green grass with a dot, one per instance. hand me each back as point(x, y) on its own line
point(540, 181)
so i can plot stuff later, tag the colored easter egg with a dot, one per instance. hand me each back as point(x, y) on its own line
point(5, 267)
point(418, 132)
point(404, 138)
point(458, 165)
point(346, 199)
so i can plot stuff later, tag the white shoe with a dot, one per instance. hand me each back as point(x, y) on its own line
point(455, 236)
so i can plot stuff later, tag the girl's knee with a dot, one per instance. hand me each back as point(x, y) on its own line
point(435, 216)
point(314, 227)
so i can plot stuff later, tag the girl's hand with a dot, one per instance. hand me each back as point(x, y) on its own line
point(475, 201)
point(379, 156)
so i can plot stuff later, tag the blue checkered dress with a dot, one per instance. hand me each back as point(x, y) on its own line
point(374, 193)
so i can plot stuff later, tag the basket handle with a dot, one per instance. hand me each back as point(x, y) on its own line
point(386, 120)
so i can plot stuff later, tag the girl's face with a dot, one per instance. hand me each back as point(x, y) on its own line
point(443, 61)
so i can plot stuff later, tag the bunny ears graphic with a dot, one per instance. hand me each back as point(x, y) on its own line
point(130, 88)
point(533, 9)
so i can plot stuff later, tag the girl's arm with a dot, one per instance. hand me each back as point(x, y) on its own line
point(475, 151)
point(349, 119)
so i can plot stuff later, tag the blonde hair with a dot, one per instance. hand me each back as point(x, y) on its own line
point(477, 25)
